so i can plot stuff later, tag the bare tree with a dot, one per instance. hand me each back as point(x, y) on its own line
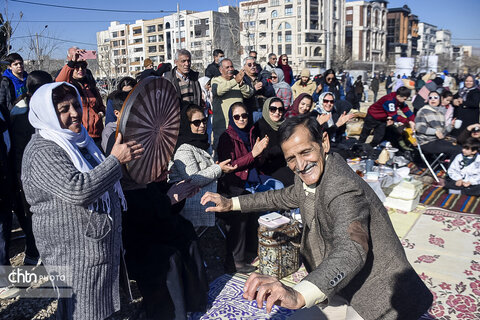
point(471, 64)
point(39, 49)
point(342, 59)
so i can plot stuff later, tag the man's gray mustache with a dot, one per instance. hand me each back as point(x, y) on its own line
point(307, 167)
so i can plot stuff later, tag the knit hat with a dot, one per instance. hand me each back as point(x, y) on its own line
point(305, 73)
point(147, 62)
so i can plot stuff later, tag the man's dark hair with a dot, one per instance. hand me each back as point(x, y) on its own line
point(216, 52)
point(404, 92)
point(126, 81)
point(12, 57)
point(36, 79)
point(118, 99)
point(287, 128)
point(472, 143)
point(252, 51)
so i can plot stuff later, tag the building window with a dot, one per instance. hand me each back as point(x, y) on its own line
point(115, 44)
point(288, 10)
point(160, 27)
point(299, 50)
point(288, 36)
point(349, 11)
point(279, 37)
point(262, 10)
point(138, 40)
point(349, 22)
point(262, 34)
point(114, 34)
point(140, 49)
point(288, 49)
point(167, 25)
point(116, 52)
point(274, 14)
point(150, 29)
point(251, 36)
point(263, 46)
point(262, 22)
point(275, 2)
point(248, 12)
point(279, 49)
point(124, 51)
point(207, 32)
point(207, 21)
point(288, 25)
point(137, 31)
point(152, 39)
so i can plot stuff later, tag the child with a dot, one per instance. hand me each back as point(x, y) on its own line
point(464, 171)
point(117, 99)
point(383, 113)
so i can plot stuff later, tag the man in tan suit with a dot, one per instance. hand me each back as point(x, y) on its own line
point(348, 245)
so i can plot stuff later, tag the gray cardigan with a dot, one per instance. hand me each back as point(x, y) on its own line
point(193, 163)
point(362, 258)
point(67, 234)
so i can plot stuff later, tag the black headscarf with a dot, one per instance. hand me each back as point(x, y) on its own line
point(243, 134)
point(186, 135)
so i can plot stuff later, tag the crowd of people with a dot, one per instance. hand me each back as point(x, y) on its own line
point(242, 132)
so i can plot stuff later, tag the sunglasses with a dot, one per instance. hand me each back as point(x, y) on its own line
point(275, 109)
point(238, 116)
point(284, 59)
point(197, 122)
point(433, 98)
point(328, 101)
point(250, 65)
point(329, 78)
point(274, 77)
point(80, 65)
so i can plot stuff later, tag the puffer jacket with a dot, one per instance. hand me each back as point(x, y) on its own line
point(91, 101)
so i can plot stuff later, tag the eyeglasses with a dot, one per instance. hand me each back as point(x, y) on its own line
point(197, 122)
point(80, 65)
point(328, 101)
point(250, 65)
point(274, 58)
point(274, 77)
point(274, 109)
point(238, 116)
point(433, 98)
point(329, 78)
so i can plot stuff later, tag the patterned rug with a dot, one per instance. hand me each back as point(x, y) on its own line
point(440, 198)
point(226, 302)
point(444, 249)
point(403, 221)
point(416, 170)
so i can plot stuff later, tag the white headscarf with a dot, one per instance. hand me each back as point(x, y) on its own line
point(206, 94)
point(321, 110)
point(43, 118)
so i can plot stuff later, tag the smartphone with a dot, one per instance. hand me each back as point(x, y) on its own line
point(88, 55)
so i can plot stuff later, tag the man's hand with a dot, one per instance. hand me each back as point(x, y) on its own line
point(269, 289)
point(222, 204)
point(466, 184)
point(459, 183)
point(412, 125)
point(239, 76)
point(258, 86)
point(74, 54)
point(181, 190)
point(319, 88)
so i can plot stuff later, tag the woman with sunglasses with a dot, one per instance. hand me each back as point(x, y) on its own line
point(191, 160)
point(282, 89)
point(287, 70)
point(329, 83)
point(431, 129)
point(273, 164)
point(333, 120)
point(76, 73)
point(244, 148)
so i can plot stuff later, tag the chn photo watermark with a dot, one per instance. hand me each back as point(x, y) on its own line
point(36, 282)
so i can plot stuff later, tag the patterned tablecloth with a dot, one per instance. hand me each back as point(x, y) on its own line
point(226, 302)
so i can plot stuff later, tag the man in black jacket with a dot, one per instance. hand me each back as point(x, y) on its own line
point(185, 80)
point(212, 68)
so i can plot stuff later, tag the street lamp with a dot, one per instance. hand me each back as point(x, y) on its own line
point(37, 45)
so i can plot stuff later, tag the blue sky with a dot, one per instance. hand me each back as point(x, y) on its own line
point(461, 18)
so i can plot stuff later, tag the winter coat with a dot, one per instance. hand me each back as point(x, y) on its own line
point(91, 100)
point(298, 88)
point(470, 173)
point(193, 77)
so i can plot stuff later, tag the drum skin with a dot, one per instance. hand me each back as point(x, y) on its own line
point(151, 116)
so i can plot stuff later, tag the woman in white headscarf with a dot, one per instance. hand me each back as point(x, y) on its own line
point(208, 98)
point(76, 200)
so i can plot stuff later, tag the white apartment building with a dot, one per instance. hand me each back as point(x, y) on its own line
point(112, 51)
point(444, 43)
point(154, 40)
point(366, 31)
point(136, 47)
point(428, 39)
point(297, 28)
